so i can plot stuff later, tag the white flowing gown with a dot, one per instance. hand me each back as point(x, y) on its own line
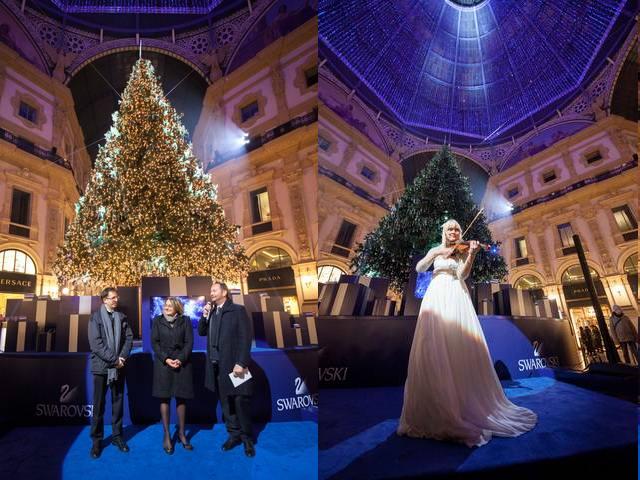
point(452, 391)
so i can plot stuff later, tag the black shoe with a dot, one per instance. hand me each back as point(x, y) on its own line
point(95, 450)
point(231, 442)
point(249, 449)
point(122, 446)
point(186, 445)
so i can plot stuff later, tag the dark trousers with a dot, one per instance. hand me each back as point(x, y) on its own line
point(629, 348)
point(117, 405)
point(236, 411)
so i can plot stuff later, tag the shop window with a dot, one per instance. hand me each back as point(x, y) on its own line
point(17, 261)
point(269, 258)
point(329, 274)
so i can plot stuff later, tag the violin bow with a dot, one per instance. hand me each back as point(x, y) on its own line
point(472, 222)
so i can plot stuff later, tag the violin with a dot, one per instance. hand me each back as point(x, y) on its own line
point(461, 247)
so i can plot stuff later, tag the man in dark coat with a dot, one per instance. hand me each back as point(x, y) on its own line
point(111, 339)
point(228, 331)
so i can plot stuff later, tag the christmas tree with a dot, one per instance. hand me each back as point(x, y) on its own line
point(414, 225)
point(149, 208)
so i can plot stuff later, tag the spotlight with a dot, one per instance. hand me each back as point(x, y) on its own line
point(245, 138)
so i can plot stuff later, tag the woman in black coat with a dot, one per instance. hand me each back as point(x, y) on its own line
point(172, 342)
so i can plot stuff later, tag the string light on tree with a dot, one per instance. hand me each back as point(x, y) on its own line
point(149, 208)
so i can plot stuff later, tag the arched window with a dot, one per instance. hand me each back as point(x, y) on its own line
point(17, 261)
point(631, 269)
point(528, 282)
point(573, 274)
point(329, 274)
point(268, 258)
point(631, 265)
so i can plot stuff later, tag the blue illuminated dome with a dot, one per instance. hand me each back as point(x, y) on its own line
point(470, 71)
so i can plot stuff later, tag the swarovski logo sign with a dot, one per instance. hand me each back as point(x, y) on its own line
point(302, 399)
point(333, 374)
point(65, 406)
point(538, 361)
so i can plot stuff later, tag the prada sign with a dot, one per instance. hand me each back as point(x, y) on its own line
point(578, 291)
point(11, 282)
point(275, 278)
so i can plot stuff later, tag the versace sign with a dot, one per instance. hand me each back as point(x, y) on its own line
point(11, 282)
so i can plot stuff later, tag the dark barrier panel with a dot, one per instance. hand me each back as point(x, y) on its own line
point(374, 351)
point(57, 388)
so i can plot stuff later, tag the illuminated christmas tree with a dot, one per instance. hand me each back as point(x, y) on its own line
point(414, 225)
point(149, 208)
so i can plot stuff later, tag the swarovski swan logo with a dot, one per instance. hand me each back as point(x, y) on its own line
point(301, 386)
point(303, 398)
point(66, 406)
point(67, 394)
point(537, 348)
point(538, 361)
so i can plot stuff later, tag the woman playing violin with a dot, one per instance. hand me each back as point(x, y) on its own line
point(452, 391)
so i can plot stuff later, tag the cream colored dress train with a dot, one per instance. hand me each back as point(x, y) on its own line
point(452, 391)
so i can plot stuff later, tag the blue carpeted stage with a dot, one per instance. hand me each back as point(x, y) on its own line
point(578, 429)
point(46, 407)
point(284, 450)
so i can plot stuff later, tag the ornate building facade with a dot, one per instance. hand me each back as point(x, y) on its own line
point(43, 168)
point(358, 180)
point(258, 136)
point(585, 184)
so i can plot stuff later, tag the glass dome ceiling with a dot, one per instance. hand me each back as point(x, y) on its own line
point(470, 71)
point(137, 6)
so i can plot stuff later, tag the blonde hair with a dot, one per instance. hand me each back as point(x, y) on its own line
point(446, 225)
point(176, 303)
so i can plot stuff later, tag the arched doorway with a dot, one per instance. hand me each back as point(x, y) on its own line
point(531, 283)
point(17, 276)
point(329, 274)
point(631, 270)
point(270, 272)
point(577, 296)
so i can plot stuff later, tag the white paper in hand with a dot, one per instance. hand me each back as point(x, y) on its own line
point(239, 381)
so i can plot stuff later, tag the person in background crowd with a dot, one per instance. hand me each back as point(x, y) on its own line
point(624, 333)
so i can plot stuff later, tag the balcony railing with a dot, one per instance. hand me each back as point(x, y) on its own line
point(260, 140)
point(33, 149)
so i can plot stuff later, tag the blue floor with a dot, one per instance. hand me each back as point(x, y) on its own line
point(283, 450)
point(577, 428)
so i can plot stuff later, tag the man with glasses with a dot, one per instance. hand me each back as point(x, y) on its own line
point(111, 339)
